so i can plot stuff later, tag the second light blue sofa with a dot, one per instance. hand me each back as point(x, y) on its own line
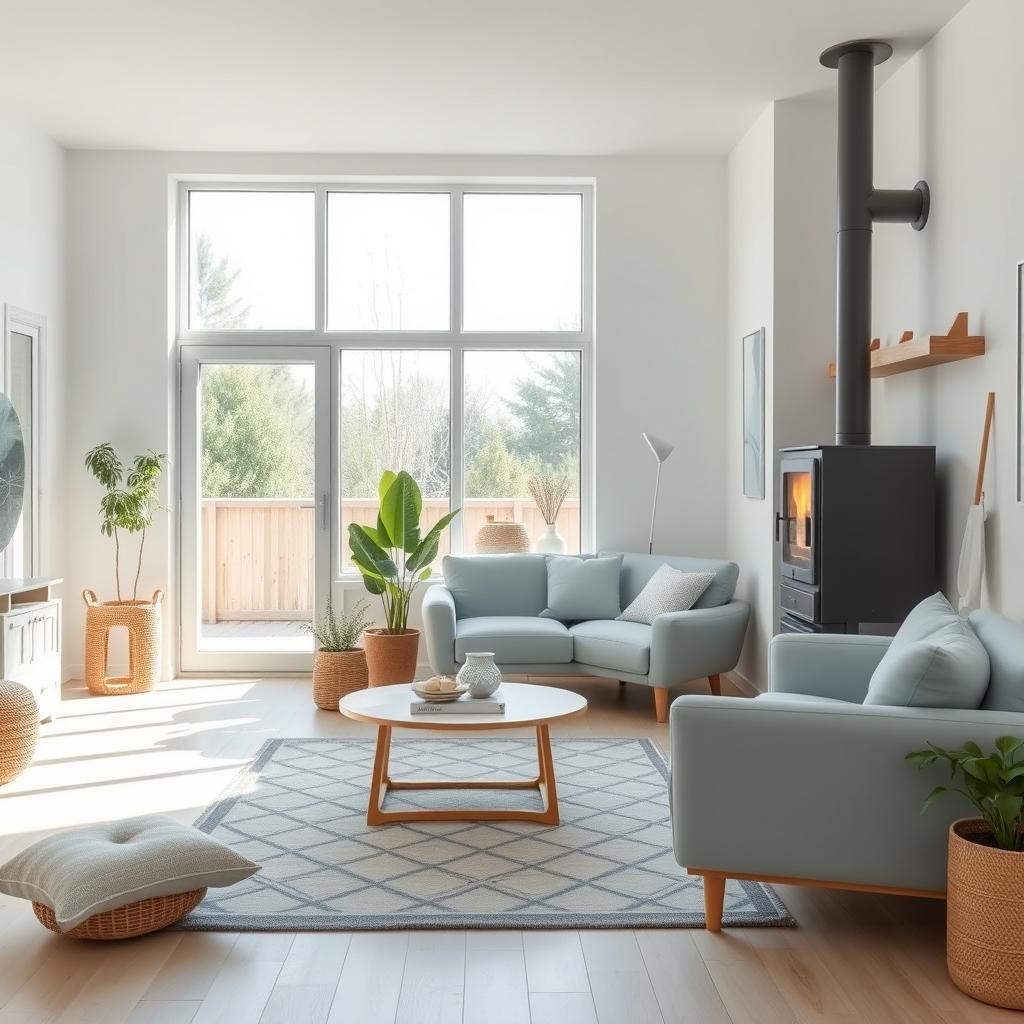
point(493, 603)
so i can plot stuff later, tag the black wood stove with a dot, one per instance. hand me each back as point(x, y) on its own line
point(855, 526)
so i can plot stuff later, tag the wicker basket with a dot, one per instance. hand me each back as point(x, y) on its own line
point(391, 657)
point(142, 620)
point(126, 922)
point(19, 729)
point(501, 538)
point(336, 673)
point(985, 917)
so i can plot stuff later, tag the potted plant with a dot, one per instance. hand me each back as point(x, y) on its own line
point(985, 869)
point(548, 490)
point(393, 560)
point(128, 506)
point(340, 663)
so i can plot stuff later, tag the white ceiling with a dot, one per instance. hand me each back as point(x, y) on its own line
point(412, 76)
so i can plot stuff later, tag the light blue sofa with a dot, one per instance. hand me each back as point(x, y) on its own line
point(805, 784)
point(493, 603)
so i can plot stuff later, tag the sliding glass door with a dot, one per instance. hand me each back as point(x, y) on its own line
point(255, 516)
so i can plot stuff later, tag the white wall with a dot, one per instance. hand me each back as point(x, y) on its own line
point(660, 364)
point(782, 277)
point(32, 255)
point(952, 115)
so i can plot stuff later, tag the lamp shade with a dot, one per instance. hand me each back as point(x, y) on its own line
point(661, 448)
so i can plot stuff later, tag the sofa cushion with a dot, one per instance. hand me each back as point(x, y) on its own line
point(799, 698)
point(1004, 641)
point(614, 645)
point(934, 661)
point(497, 584)
point(638, 569)
point(668, 590)
point(514, 639)
point(583, 588)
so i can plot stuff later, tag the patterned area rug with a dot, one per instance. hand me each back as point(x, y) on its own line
point(300, 811)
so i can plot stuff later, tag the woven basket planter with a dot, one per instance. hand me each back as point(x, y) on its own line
point(19, 729)
point(336, 673)
point(391, 657)
point(501, 538)
point(985, 917)
point(143, 621)
point(127, 922)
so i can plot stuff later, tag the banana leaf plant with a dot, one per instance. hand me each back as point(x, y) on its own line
point(394, 558)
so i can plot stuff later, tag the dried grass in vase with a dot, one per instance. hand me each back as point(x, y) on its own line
point(548, 491)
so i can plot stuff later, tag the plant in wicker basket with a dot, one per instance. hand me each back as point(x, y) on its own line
point(340, 663)
point(129, 503)
point(985, 869)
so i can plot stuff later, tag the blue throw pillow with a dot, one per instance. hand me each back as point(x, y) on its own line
point(934, 661)
point(583, 588)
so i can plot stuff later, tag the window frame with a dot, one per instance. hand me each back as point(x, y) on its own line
point(455, 340)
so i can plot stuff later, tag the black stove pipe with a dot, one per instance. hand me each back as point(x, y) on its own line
point(858, 205)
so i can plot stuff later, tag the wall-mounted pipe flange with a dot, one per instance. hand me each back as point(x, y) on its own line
point(926, 205)
point(878, 48)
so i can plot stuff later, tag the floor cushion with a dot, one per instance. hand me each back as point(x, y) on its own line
point(514, 639)
point(613, 644)
point(96, 868)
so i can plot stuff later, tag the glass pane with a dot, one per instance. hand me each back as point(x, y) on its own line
point(258, 518)
point(521, 444)
point(388, 261)
point(523, 262)
point(797, 538)
point(251, 261)
point(20, 394)
point(395, 414)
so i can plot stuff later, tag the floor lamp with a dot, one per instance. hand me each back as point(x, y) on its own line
point(662, 450)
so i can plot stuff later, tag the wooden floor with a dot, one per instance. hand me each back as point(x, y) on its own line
point(854, 958)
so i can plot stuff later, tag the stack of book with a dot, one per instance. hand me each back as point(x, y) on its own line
point(465, 705)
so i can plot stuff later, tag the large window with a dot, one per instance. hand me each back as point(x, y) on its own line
point(460, 328)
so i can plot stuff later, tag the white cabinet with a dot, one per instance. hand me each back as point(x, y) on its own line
point(30, 639)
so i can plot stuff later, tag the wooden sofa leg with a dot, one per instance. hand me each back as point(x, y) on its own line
point(661, 704)
point(714, 901)
point(715, 683)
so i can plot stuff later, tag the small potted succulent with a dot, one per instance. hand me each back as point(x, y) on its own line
point(394, 559)
point(339, 666)
point(985, 869)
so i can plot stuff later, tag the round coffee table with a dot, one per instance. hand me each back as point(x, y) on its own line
point(526, 706)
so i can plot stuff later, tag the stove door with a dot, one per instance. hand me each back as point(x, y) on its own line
point(796, 524)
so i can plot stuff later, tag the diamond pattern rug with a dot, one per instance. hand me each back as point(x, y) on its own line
point(300, 811)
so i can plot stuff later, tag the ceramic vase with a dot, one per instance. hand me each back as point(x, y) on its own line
point(480, 674)
point(550, 542)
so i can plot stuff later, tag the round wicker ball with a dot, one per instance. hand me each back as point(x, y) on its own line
point(19, 729)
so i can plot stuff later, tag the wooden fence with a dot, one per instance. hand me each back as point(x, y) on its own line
point(257, 556)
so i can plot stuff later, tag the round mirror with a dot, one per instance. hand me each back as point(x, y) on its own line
point(12, 471)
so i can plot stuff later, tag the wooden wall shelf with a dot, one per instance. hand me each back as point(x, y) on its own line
point(912, 353)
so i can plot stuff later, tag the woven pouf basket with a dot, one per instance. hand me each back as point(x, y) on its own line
point(985, 917)
point(336, 673)
point(127, 922)
point(19, 729)
point(142, 620)
point(501, 538)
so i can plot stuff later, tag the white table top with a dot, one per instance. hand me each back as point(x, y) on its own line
point(525, 705)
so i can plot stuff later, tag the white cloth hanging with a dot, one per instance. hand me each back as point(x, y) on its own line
point(971, 569)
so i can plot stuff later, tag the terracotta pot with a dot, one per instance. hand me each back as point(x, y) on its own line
point(391, 657)
point(143, 621)
point(985, 916)
point(336, 673)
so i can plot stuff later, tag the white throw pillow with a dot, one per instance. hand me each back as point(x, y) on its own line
point(88, 870)
point(668, 590)
point(934, 661)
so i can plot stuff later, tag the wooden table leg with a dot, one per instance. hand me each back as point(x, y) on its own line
point(379, 779)
point(548, 790)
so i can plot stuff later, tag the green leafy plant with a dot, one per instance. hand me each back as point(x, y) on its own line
point(393, 558)
point(340, 632)
point(993, 782)
point(130, 500)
